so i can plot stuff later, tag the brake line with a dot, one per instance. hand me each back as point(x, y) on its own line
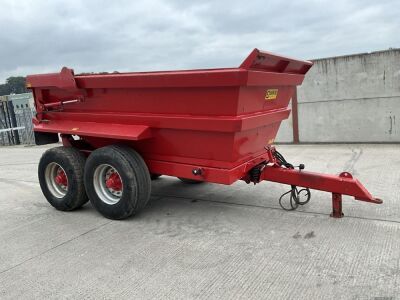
point(295, 194)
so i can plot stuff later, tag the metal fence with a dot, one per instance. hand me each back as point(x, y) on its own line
point(16, 124)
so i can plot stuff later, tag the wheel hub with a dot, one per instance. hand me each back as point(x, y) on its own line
point(114, 182)
point(108, 184)
point(56, 180)
point(61, 178)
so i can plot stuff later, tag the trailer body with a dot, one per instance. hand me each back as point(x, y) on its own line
point(214, 125)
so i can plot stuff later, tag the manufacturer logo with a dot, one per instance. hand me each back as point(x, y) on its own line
point(271, 94)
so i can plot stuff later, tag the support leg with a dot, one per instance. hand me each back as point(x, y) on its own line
point(336, 206)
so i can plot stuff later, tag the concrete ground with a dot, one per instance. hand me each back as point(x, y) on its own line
point(207, 241)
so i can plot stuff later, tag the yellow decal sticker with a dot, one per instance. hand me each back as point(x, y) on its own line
point(75, 129)
point(271, 94)
point(28, 85)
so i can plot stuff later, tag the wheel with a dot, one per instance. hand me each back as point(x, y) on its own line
point(154, 176)
point(117, 181)
point(190, 181)
point(61, 178)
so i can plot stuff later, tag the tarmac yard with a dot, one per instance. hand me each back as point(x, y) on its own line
point(207, 240)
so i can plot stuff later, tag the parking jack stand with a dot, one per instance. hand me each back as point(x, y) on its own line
point(336, 206)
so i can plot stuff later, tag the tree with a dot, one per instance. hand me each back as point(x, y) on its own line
point(4, 89)
point(14, 84)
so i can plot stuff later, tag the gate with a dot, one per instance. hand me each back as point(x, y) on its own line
point(16, 124)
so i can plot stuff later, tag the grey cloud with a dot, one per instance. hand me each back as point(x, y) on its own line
point(42, 36)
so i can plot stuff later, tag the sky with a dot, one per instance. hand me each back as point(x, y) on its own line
point(149, 35)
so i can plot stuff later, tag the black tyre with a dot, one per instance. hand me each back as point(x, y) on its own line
point(60, 174)
point(154, 176)
point(189, 181)
point(117, 181)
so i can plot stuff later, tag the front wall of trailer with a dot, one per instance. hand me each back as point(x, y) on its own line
point(250, 143)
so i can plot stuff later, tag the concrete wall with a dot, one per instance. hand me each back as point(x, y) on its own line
point(353, 98)
point(285, 133)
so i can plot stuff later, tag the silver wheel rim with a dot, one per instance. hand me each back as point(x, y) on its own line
point(106, 194)
point(56, 189)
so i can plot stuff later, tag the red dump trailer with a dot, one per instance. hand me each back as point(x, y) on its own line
point(122, 130)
